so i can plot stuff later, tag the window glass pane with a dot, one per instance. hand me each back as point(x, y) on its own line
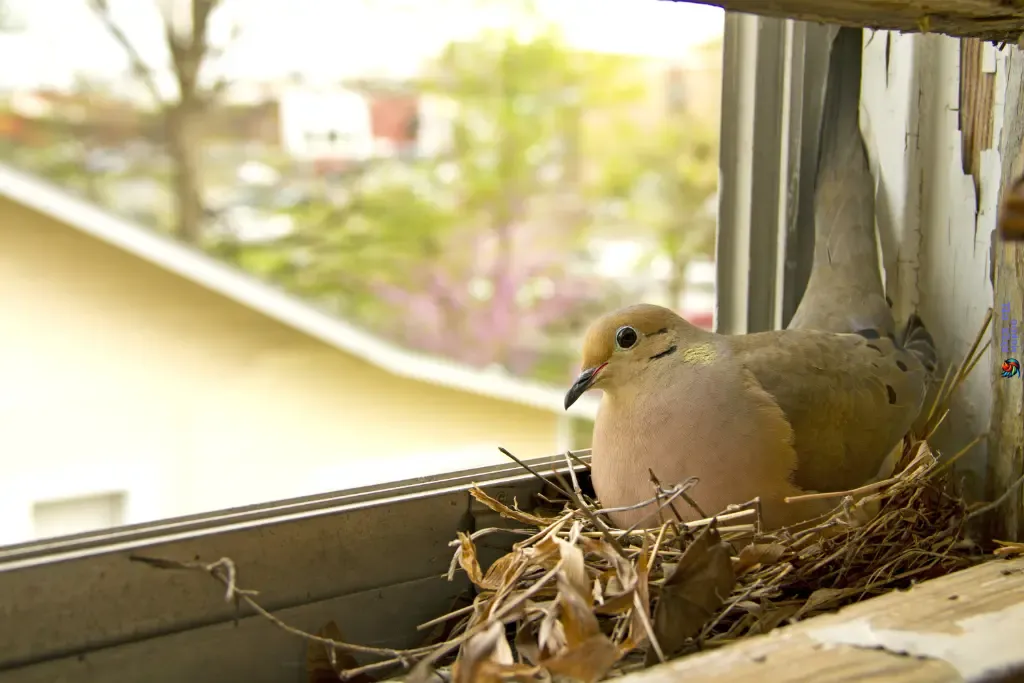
point(75, 515)
point(362, 246)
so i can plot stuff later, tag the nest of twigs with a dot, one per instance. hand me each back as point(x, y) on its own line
point(579, 600)
point(584, 601)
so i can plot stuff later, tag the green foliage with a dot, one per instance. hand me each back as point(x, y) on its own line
point(666, 182)
point(526, 125)
point(520, 153)
point(449, 254)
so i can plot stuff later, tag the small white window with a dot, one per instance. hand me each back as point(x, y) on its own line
point(75, 515)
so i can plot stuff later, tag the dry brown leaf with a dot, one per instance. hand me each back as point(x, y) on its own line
point(1009, 549)
point(468, 560)
point(487, 647)
point(551, 636)
point(501, 572)
point(573, 567)
point(691, 595)
point(819, 599)
point(527, 640)
point(324, 663)
point(496, 668)
point(577, 617)
point(637, 630)
point(620, 583)
point(771, 619)
point(545, 554)
point(510, 513)
point(756, 555)
point(575, 597)
point(587, 662)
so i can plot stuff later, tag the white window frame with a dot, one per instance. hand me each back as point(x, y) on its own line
point(373, 559)
point(60, 509)
point(139, 482)
point(772, 95)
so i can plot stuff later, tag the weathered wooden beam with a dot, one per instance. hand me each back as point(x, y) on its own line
point(961, 627)
point(1006, 436)
point(998, 20)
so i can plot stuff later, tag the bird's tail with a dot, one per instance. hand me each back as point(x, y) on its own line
point(845, 290)
point(918, 340)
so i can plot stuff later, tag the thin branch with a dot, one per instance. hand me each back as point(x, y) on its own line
point(860, 490)
point(998, 501)
point(684, 495)
point(572, 476)
point(535, 473)
point(139, 68)
point(225, 572)
point(594, 519)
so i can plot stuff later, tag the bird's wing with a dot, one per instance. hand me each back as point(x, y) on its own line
point(849, 398)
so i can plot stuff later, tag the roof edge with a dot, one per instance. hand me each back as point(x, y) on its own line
point(200, 268)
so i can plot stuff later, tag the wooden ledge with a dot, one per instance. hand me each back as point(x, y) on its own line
point(968, 626)
point(996, 20)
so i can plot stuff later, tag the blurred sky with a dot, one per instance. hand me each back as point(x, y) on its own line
point(325, 40)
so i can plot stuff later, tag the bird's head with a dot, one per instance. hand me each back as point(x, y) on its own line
point(622, 345)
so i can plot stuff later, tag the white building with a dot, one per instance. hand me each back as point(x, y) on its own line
point(330, 123)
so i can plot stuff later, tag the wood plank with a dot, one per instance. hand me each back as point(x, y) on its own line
point(989, 19)
point(1006, 440)
point(963, 627)
point(977, 95)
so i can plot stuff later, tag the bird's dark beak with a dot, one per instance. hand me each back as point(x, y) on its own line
point(582, 383)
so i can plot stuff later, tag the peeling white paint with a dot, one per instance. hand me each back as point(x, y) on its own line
point(985, 644)
point(889, 122)
point(934, 231)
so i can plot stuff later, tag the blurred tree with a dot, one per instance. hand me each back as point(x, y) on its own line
point(470, 250)
point(187, 36)
point(687, 166)
point(522, 146)
point(668, 181)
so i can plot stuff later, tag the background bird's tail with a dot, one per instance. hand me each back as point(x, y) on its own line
point(845, 291)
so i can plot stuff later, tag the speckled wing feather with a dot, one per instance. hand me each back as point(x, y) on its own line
point(850, 398)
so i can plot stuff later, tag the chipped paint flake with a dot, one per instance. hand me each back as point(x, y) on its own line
point(985, 644)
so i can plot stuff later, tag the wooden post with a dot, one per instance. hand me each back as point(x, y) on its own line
point(996, 20)
point(1006, 437)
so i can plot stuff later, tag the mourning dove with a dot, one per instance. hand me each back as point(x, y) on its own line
point(817, 407)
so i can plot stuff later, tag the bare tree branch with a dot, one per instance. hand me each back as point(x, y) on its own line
point(189, 49)
point(139, 68)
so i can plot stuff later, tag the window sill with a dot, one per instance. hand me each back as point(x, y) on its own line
point(373, 560)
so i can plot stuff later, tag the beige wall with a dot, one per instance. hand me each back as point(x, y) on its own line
point(118, 376)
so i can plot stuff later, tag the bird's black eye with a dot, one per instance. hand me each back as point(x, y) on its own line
point(625, 337)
